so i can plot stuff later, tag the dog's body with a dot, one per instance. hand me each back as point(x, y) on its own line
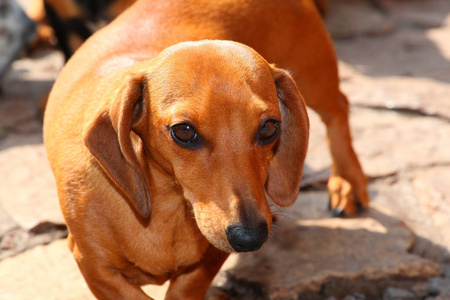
point(73, 21)
point(195, 128)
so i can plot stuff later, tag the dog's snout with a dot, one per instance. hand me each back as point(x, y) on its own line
point(247, 239)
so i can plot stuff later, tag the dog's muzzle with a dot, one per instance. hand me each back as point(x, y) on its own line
point(243, 239)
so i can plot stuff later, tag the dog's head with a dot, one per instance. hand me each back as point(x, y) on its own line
point(219, 121)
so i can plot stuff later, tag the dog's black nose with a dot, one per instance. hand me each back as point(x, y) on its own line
point(247, 239)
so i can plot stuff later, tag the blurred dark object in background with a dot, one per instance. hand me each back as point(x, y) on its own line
point(74, 21)
point(17, 31)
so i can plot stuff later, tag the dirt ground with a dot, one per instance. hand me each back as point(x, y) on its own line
point(394, 61)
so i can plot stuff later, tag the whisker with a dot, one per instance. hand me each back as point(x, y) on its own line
point(279, 210)
point(269, 242)
point(274, 229)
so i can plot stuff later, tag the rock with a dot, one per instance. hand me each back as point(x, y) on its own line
point(428, 242)
point(398, 294)
point(412, 70)
point(50, 270)
point(355, 297)
point(421, 289)
point(352, 18)
point(325, 249)
point(439, 285)
point(424, 208)
point(397, 150)
point(31, 77)
point(421, 15)
point(447, 271)
point(443, 296)
point(29, 184)
point(433, 193)
point(408, 94)
point(17, 32)
point(49, 273)
point(318, 160)
point(16, 140)
point(18, 240)
point(12, 242)
point(384, 144)
point(19, 117)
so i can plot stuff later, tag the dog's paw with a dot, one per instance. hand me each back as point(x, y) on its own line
point(345, 199)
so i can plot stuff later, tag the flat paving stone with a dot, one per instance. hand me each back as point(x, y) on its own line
point(48, 273)
point(409, 69)
point(28, 190)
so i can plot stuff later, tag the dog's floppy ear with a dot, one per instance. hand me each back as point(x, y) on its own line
point(286, 166)
point(108, 138)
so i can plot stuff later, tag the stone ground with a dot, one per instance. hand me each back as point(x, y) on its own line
point(395, 67)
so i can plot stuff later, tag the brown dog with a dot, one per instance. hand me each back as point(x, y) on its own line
point(162, 157)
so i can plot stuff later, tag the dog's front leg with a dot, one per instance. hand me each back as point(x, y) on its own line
point(193, 284)
point(347, 184)
point(105, 281)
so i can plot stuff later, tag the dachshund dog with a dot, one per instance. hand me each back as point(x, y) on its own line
point(165, 134)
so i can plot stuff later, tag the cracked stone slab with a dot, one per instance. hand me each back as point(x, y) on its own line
point(410, 51)
point(424, 207)
point(409, 69)
point(420, 95)
point(386, 142)
point(309, 251)
point(392, 142)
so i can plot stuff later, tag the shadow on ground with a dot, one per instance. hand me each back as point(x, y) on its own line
point(332, 257)
point(413, 50)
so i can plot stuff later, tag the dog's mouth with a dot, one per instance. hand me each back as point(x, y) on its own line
point(231, 238)
point(220, 243)
point(214, 237)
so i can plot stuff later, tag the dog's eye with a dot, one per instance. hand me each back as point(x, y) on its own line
point(185, 135)
point(268, 131)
